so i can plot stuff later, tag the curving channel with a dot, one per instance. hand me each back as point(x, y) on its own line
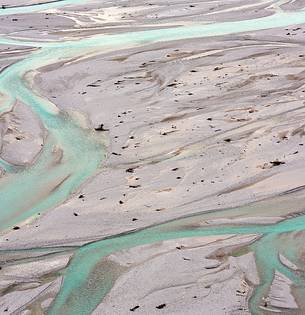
point(72, 153)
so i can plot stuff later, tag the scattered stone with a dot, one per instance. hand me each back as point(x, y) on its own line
point(172, 85)
point(159, 307)
point(101, 128)
point(277, 163)
point(134, 308)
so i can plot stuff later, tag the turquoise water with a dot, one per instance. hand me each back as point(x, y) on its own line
point(72, 153)
point(76, 297)
point(23, 9)
point(266, 249)
point(30, 191)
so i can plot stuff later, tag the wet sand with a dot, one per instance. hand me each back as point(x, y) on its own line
point(200, 125)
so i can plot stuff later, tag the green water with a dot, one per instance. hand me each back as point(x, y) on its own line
point(26, 192)
point(29, 191)
point(76, 297)
point(23, 9)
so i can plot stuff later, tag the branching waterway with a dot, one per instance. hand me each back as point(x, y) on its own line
point(73, 153)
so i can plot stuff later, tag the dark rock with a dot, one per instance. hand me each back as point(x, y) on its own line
point(134, 308)
point(159, 307)
point(134, 186)
point(277, 163)
point(101, 128)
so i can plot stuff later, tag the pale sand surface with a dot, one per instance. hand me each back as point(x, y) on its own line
point(181, 162)
point(192, 126)
point(189, 288)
